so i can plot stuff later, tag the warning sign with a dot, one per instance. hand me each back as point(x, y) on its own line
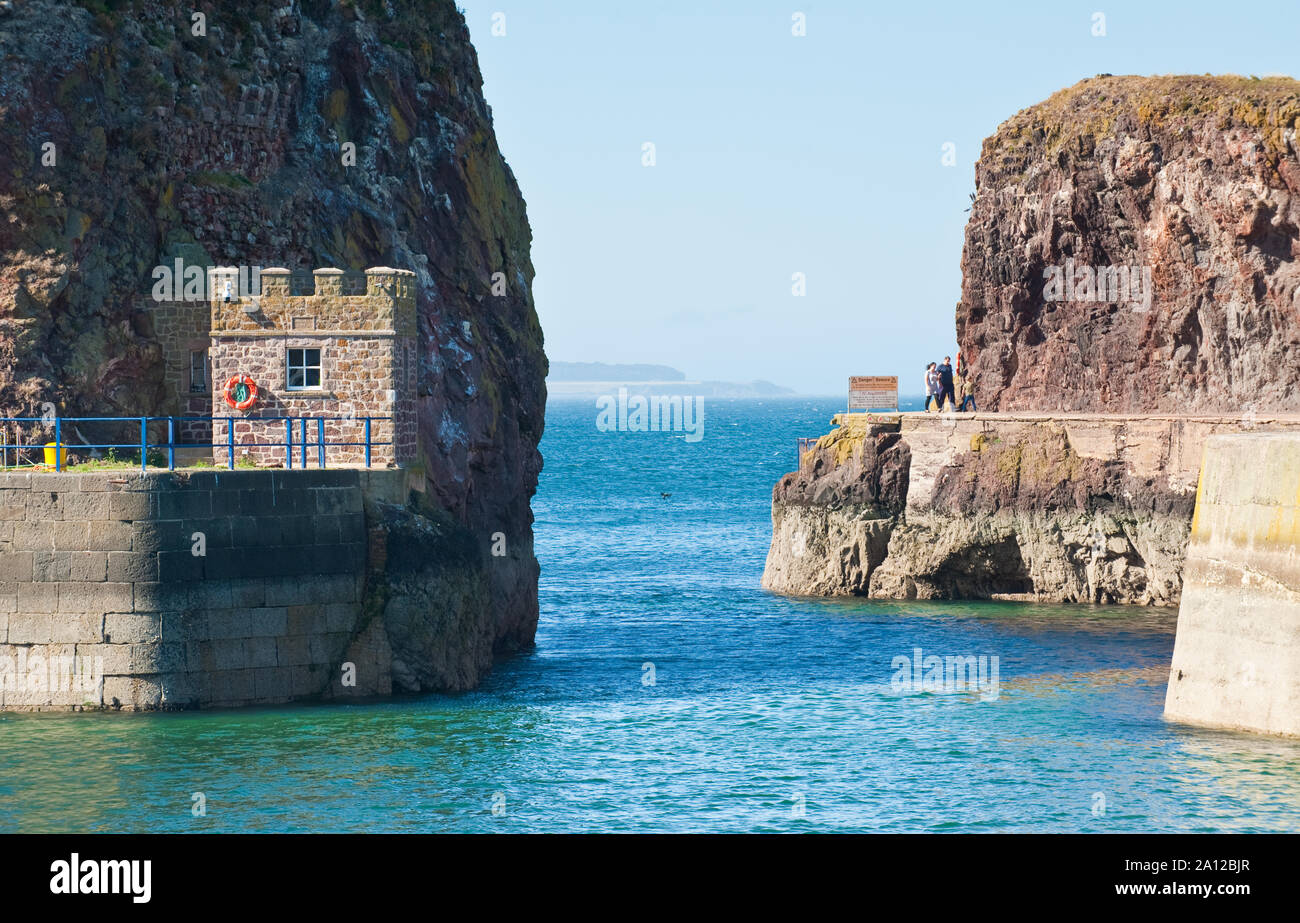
point(873, 392)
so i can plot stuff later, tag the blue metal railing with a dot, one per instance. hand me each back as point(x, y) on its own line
point(143, 446)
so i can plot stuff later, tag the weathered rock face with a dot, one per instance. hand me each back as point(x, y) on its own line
point(1191, 181)
point(1026, 516)
point(1059, 508)
point(424, 600)
point(831, 520)
point(227, 147)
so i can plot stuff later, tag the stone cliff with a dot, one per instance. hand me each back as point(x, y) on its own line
point(1189, 183)
point(134, 134)
point(831, 519)
point(1052, 508)
point(1129, 288)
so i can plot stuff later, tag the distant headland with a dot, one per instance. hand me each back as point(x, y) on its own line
point(589, 379)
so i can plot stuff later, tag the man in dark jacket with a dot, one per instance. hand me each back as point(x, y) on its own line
point(946, 392)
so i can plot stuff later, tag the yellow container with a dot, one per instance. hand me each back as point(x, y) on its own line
point(49, 454)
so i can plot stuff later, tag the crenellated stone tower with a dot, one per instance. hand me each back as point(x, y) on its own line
point(343, 351)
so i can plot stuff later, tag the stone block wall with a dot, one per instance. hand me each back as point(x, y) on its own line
point(386, 305)
point(360, 377)
point(369, 367)
point(175, 590)
point(1236, 659)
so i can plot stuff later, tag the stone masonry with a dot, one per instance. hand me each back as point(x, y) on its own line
point(182, 327)
point(188, 589)
point(1236, 660)
point(368, 364)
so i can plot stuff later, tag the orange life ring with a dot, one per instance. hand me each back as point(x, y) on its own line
point(236, 384)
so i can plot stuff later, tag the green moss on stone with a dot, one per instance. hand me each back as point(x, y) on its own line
point(224, 180)
point(1070, 119)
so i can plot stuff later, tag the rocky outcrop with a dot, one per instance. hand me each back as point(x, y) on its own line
point(1052, 508)
point(832, 519)
point(1131, 251)
point(1027, 517)
point(133, 135)
point(1190, 182)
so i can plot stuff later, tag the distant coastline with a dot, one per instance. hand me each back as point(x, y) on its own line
point(592, 379)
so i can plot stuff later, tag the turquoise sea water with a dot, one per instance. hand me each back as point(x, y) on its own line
point(765, 713)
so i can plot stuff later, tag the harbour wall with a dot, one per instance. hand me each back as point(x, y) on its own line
point(1236, 660)
point(222, 588)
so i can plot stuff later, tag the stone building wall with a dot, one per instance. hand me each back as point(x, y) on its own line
point(368, 365)
point(182, 327)
point(357, 378)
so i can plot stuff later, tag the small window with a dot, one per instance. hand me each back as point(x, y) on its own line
point(199, 371)
point(304, 369)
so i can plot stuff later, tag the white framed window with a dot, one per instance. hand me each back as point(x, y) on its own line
point(198, 371)
point(303, 369)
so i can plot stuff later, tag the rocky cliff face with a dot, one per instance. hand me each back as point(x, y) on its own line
point(1131, 249)
point(132, 137)
point(1191, 184)
point(1020, 514)
point(832, 519)
point(1052, 508)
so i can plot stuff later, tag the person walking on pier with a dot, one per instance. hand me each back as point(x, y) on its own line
point(967, 393)
point(946, 394)
point(932, 386)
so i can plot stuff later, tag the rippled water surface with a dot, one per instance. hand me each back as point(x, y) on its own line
point(764, 713)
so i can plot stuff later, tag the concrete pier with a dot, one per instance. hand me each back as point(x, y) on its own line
point(1236, 660)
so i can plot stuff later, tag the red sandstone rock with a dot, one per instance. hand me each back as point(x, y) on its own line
point(1193, 179)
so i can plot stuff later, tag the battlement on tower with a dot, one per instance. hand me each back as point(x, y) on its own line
point(380, 301)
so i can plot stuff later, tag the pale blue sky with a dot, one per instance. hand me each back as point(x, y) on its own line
point(778, 154)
